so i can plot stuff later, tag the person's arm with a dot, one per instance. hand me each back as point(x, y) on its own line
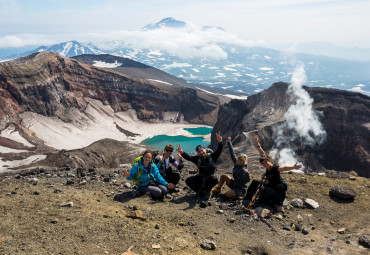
point(158, 177)
point(258, 145)
point(193, 159)
point(231, 150)
point(288, 168)
point(132, 174)
point(220, 147)
point(175, 163)
point(158, 161)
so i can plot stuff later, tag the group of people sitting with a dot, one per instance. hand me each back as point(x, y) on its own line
point(157, 177)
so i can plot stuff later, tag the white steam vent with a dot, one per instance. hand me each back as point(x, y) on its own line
point(302, 122)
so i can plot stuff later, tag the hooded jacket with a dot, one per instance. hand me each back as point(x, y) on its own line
point(240, 176)
point(143, 177)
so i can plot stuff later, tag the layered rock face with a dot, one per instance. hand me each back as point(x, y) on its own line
point(49, 84)
point(345, 118)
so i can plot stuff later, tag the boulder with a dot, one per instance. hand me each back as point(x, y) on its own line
point(364, 241)
point(343, 192)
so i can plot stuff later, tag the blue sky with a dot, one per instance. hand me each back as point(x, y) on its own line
point(268, 22)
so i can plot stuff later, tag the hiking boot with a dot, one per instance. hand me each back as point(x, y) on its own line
point(279, 208)
point(216, 190)
point(168, 196)
point(203, 204)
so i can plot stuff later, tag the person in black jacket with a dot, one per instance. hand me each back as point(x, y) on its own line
point(237, 184)
point(203, 182)
point(163, 161)
point(274, 190)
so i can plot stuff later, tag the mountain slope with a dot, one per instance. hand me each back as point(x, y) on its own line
point(344, 117)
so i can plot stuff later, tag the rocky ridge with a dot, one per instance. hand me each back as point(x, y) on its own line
point(344, 116)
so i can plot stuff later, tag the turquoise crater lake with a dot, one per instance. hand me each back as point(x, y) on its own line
point(188, 143)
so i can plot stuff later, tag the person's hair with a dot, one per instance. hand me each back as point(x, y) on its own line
point(199, 147)
point(265, 157)
point(243, 157)
point(146, 152)
point(169, 146)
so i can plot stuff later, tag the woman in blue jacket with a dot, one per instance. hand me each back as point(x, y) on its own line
point(147, 177)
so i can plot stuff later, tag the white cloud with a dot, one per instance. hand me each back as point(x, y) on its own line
point(190, 41)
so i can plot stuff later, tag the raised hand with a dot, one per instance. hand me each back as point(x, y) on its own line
point(219, 137)
point(179, 149)
point(257, 139)
point(125, 173)
point(160, 155)
point(297, 166)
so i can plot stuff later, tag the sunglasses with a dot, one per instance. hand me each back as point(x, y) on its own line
point(169, 150)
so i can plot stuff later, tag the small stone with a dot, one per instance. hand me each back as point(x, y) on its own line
point(232, 220)
point(286, 227)
point(220, 211)
point(297, 202)
point(69, 204)
point(57, 191)
point(36, 193)
point(34, 181)
point(352, 178)
point(298, 227)
point(249, 251)
point(304, 231)
point(341, 230)
point(55, 221)
point(156, 246)
point(69, 182)
point(208, 245)
point(128, 185)
point(311, 203)
point(156, 226)
point(299, 217)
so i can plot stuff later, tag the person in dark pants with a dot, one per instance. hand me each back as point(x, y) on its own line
point(203, 182)
point(237, 184)
point(146, 175)
point(274, 190)
point(163, 161)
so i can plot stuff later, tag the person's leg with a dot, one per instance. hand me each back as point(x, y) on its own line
point(172, 177)
point(163, 189)
point(231, 194)
point(155, 192)
point(195, 182)
point(224, 178)
point(209, 183)
point(267, 193)
point(279, 195)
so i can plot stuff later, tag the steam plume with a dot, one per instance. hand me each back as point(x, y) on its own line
point(302, 123)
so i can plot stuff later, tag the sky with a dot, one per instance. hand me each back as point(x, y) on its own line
point(270, 23)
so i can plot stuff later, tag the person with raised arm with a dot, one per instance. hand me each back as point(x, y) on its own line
point(203, 182)
point(237, 184)
point(273, 191)
point(147, 177)
point(163, 161)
